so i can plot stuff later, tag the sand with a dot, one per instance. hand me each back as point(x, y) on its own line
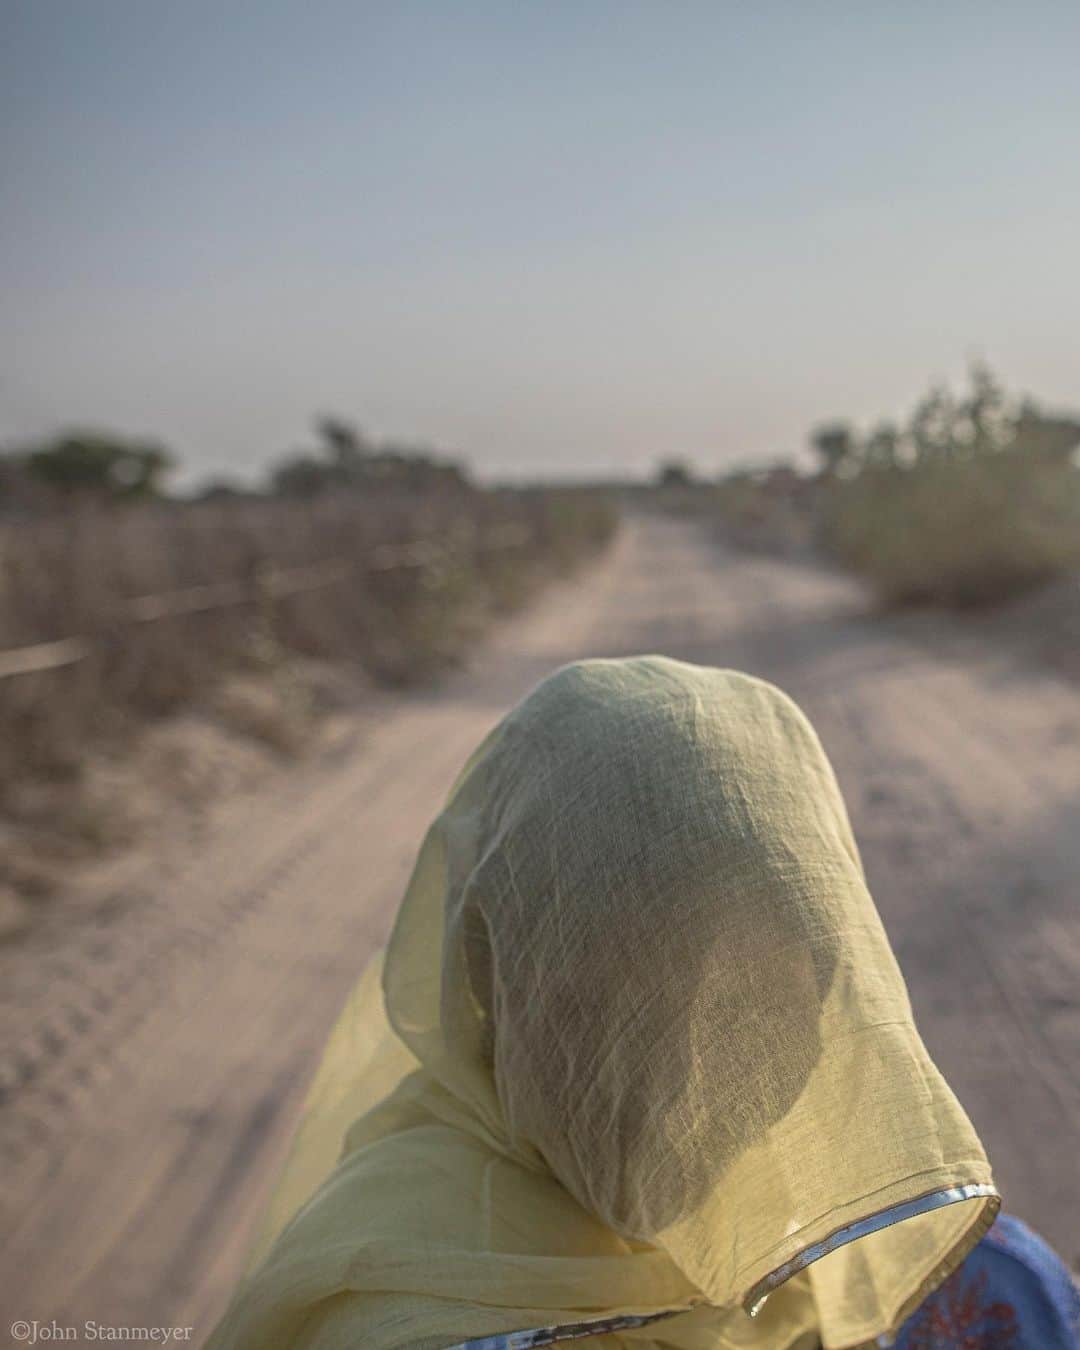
point(155, 1045)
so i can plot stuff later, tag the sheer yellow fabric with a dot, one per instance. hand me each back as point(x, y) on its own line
point(639, 1043)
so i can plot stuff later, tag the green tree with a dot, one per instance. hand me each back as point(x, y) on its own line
point(882, 448)
point(345, 458)
point(345, 446)
point(983, 417)
point(674, 473)
point(834, 444)
point(99, 464)
point(301, 476)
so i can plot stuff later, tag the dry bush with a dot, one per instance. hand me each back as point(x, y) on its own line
point(399, 618)
point(767, 511)
point(974, 500)
point(957, 532)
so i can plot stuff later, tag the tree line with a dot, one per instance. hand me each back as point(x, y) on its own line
point(103, 467)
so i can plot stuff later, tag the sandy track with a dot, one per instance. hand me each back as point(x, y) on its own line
point(149, 1096)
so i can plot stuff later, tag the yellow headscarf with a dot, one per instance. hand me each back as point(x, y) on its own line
point(639, 1044)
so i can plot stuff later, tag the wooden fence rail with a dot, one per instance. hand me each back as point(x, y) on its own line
point(265, 583)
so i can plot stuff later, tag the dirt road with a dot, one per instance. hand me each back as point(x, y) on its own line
point(153, 1063)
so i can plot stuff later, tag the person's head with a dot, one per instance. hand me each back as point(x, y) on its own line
point(640, 1046)
point(642, 936)
point(661, 975)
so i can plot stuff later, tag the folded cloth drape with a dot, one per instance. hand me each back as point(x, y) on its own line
point(639, 1045)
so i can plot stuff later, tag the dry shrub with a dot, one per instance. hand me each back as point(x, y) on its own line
point(767, 510)
point(399, 618)
point(975, 499)
point(957, 532)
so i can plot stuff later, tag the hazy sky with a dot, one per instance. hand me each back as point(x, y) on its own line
point(556, 237)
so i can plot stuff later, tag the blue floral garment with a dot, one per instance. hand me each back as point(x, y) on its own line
point(1012, 1293)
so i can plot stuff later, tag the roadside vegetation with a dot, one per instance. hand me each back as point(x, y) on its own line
point(975, 499)
point(121, 607)
point(972, 501)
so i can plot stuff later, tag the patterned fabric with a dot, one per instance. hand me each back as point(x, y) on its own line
point(1012, 1293)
